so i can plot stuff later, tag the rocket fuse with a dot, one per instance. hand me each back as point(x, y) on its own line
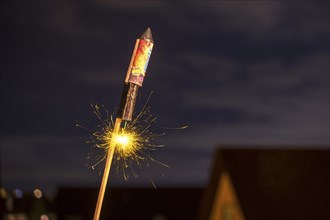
point(135, 75)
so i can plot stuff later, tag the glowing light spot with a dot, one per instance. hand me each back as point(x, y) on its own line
point(37, 193)
point(125, 143)
point(3, 193)
point(11, 217)
point(44, 217)
point(18, 193)
point(122, 140)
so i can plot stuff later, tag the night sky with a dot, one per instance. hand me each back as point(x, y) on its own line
point(240, 74)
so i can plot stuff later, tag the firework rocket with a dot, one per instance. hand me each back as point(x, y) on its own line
point(135, 75)
point(134, 79)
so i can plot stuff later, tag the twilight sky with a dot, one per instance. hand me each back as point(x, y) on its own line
point(241, 74)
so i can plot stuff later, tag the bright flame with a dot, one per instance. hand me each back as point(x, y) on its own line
point(125, 142)
point(121, 140)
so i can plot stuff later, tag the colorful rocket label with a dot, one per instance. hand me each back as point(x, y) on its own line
point(140, 62)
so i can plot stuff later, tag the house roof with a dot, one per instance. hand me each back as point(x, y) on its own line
point(274, 184)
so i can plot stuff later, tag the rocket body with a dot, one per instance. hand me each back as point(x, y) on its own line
point(135, 75)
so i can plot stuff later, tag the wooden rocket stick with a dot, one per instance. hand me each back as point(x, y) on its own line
point(106, 172)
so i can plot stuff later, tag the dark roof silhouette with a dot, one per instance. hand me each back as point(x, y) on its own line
point(274, 184)
point(130, 203)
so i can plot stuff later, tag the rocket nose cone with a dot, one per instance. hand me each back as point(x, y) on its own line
point(147, 35)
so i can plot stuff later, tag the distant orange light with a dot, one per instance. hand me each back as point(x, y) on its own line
point(44, 217)
point(3, 193)
point(37, 193)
